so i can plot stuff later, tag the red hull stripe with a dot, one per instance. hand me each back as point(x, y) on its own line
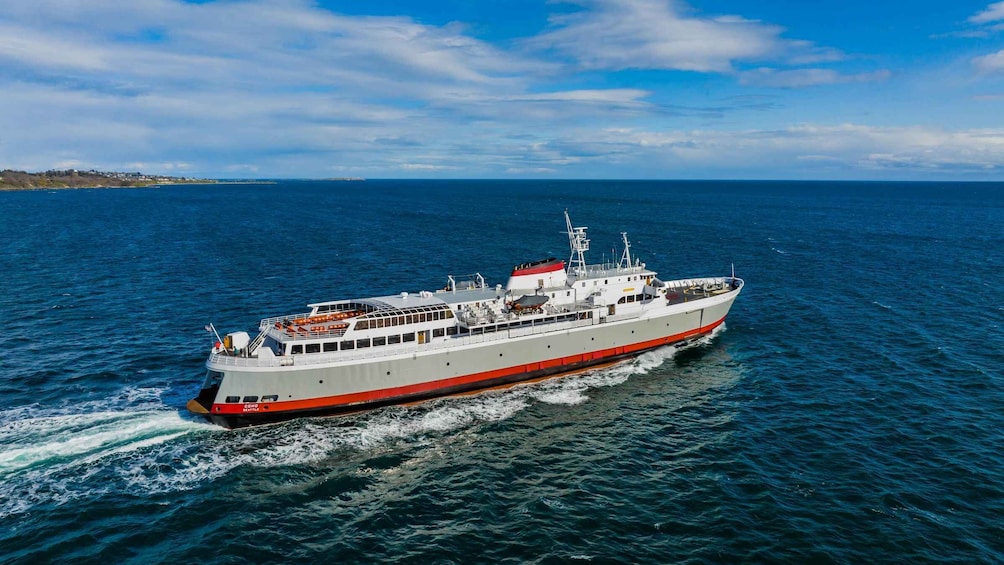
point(545, 268)
point(370, 396)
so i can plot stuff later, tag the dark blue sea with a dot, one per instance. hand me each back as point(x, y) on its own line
point(851, 409)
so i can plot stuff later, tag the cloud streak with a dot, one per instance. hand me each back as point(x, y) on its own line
point(991, 63)
point(799, 78)
point(994, 12)
point(660, 34)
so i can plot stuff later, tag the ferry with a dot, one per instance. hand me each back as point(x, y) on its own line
point(552, 317)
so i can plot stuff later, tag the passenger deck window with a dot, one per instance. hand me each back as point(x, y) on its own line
point(296, 349)
point(348, 345)
point(379, 341)
point(361, 343)
point(313, 348)
point(252, 398)
point(408, 337)
point(233, 399)
point(330, 346)
point(392, 339)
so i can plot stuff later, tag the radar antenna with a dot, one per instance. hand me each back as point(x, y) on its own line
point(626, 257)
point(579, 244)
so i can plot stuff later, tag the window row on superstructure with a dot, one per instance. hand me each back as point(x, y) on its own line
point(401, 317)
point(424, 336)
point(635, 298)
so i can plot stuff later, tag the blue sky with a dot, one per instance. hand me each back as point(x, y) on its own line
point(519, 89)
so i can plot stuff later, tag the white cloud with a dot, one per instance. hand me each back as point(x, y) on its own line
point(992, 13)
point(659, 34)
point(808, 151)
point(425, 167)
point(797, 78)
point(531, 171)
point(990, 63)
point(614, 95)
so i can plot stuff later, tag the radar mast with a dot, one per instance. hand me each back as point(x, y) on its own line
point(579, 244)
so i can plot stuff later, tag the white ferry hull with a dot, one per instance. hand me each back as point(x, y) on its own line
point(413, 372)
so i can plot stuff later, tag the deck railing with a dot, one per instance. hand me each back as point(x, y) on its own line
point(397, 349)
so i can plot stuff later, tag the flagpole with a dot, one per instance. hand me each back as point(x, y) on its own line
point(218, 338)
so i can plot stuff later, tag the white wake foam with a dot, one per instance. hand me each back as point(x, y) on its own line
point(80, 452)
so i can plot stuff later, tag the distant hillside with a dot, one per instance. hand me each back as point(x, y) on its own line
point(72, 178)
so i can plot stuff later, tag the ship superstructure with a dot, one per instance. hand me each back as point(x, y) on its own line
point(551, 317)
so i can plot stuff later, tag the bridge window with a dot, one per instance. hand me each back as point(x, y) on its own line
point(252, 398)
point(233, 399)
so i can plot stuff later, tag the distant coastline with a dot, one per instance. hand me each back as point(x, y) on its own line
point(72, 178)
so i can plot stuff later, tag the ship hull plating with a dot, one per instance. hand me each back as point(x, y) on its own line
point(440, 369)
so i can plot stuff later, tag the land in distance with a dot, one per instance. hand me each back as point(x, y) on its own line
point(72, 178)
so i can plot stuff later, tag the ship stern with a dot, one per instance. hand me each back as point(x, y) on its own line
point(203, 403)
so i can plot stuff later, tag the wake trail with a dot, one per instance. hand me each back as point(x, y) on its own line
point(62, 455)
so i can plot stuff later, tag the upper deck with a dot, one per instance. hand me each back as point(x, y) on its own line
point(542, 295)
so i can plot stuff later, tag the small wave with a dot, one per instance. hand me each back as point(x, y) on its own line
point(780, 251)
point(880, 305)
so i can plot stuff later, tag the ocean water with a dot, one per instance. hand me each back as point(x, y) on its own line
point(850, 410)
